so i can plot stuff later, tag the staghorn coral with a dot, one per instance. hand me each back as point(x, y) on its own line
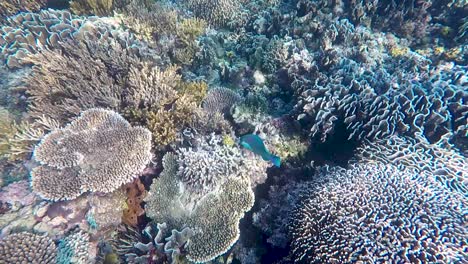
point(98, 152)
point(100, 63)
point(12, 7)
point(355, 214)
point(217, 12)
point(216, 220)
point(95, 7)
point(135, 193)
point(27, 248)
point(149, 20)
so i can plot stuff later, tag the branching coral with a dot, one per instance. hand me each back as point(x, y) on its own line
point(217, 12)
point(440, 160)
point(356, 214)
point(95, 7)
point(27, 248)
point(74, 248)
point(98, 152)
point(100, 63)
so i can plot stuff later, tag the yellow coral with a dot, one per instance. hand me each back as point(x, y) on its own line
point(453, 53)
point(197, 90)
point(228, 141)
point(398, 51)
point(188, 30)
point(439, 50)
point(95, 7)
point(17, 140)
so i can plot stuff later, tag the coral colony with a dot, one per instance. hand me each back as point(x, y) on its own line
point(233, 131)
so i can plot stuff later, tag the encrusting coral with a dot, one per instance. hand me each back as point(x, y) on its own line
point(355, 214)
point(27, 248)
point(99, 151)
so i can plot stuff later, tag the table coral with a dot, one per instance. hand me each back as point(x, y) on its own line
point(98, 152)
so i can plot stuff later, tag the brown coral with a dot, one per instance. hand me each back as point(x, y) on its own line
point(94, 7)
point(135, 193)
point(27, 248)
point(98, 152)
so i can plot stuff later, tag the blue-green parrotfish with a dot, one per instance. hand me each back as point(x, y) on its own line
point(255, 144)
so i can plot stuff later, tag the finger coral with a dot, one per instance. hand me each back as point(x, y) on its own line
point(99, 151)
point(357, 214)
point(27, 248)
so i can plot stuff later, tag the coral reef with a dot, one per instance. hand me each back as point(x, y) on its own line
point(216, 220)
point(220, 100)
point(74, 248)
point(12, 7)
point(358, 213)
point(217, 12)
point(98, 152)
point(440, 161)
point(95, 7)
point(27, 33)
point(207, 188)
point(27, 248)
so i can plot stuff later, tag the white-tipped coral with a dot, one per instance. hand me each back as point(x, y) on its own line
point(27, 248)
point(98, 152)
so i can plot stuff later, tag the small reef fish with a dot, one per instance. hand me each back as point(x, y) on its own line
point(255, 144)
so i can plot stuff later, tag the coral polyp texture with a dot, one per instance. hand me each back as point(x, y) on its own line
point(374, 212)
point(216, 12)
point(220, 100)
point(98, 152)
point(27, 248)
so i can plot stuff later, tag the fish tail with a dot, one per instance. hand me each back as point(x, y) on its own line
point(275, 160)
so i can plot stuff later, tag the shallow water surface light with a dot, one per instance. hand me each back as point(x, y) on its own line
point(233, 131)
